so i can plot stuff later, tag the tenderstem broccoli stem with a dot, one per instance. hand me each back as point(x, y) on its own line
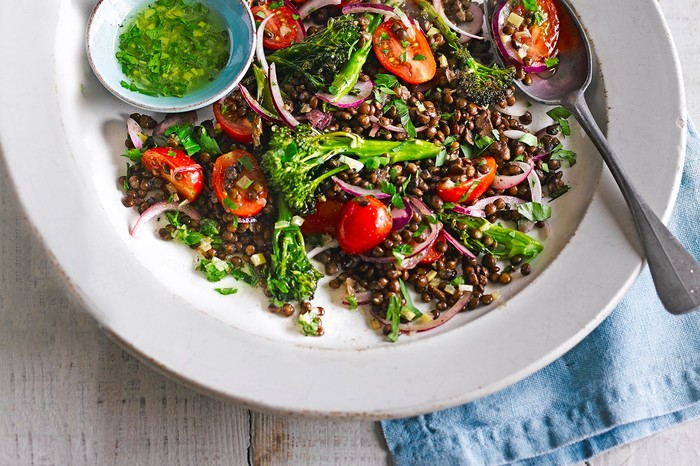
point(350, 73)
point(291, 276)
point(339, 142)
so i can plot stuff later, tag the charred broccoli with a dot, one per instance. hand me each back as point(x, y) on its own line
point(295, 162)
point(484, 85)
point(290, 276)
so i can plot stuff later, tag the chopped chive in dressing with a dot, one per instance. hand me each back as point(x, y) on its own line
point(172, 47)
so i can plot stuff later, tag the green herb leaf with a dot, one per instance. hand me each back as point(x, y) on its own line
point(534, 211)
point(226, 291)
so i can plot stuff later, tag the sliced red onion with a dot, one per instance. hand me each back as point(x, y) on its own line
point(393, 128)
point(256, 106)
point(421, 249)
point(277, 100)
point(506, 49)
point(247, 220)
point(482, 203)
point(319, 249)
point(135, 132)
point(513, 133)
point(312, 5)
point(437, 4)
point(159, 208)
point(358, 191)
point(401, 216)
point(508, 181)
point(361, 297)
point(386, 10)
point(374, 130)
point(362, 90)
point(458, 245)
point(174, 119)
point(319, 119)
point(423, 325)
point(469, 210)
point(533, 181)
point(259, 47)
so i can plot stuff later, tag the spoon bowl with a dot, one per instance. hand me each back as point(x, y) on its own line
point(675, 272)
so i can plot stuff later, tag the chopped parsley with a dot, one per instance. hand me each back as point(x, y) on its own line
point(172, 47)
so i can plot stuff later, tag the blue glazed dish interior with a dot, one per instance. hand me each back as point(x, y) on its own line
point(102, 38)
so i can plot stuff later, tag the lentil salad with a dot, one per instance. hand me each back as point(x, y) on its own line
point(457, 220)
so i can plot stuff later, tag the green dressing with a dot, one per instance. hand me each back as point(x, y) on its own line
point(172, 47)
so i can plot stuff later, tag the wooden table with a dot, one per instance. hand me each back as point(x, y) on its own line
point(69, 395)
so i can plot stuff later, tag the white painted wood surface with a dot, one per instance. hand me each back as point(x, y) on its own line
point(69, 395)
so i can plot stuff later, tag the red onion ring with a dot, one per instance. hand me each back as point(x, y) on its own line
point(502, 182)
point(506, 50)
point(277, 100)
point(312, 5)
point(135, 131)
point(386, 10)
point(256, 106)
point(437, 4)
point(358, 191)
point(401, 216)
point(363, 90)
point(392, 128)
point(174, 119)
point(259, 48)
point(160, 207)
point(533, 181)
point(458, 245)
point(412, 327)
point(482, 203)
point(319, 119)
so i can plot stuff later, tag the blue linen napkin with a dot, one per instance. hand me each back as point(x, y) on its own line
point(636, 374)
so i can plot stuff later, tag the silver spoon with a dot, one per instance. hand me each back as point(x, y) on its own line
point(675, 272)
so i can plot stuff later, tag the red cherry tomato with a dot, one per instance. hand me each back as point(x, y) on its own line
point(364, 223)
point(239, 183)
point(239, 128)
point(433, 254)
point(281, 30)
point(324, 220)
point(469, 190)
point(412, 61)
point(542, 35)
point(176, 167)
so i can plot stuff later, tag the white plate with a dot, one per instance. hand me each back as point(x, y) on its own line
point(62, 134)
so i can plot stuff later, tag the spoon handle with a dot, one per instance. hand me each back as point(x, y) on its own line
point(675, 272)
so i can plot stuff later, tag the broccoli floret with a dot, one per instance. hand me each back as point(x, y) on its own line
point(484, 85)
point(507, 242)
point(290, 276)
point(295, 162)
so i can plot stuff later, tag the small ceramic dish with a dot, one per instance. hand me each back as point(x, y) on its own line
point(102, 40)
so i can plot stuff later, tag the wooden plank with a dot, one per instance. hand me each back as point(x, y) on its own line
point(290, 440)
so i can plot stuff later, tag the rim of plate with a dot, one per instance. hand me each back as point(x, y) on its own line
point(474, 360)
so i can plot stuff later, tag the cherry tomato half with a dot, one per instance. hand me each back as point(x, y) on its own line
point(324, 220)
point(542, 34)
point(467, 191)
point(239, 128)
point(239, 183)
point(364, 223)
point(433, 254)
point(176, 167)
point(281, 30)
point(411, 61)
